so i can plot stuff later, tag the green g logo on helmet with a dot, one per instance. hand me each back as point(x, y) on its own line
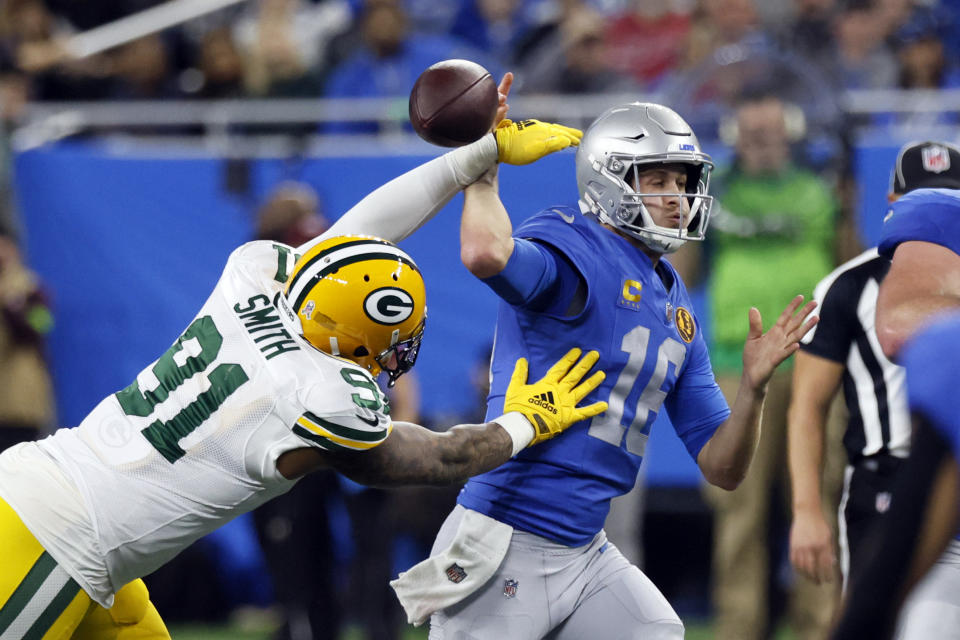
point(360, 298)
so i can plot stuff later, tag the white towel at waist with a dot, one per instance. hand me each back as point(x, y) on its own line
point(448, 577)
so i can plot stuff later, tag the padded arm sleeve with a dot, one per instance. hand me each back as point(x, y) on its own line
point(400, 207)
point(536, 277)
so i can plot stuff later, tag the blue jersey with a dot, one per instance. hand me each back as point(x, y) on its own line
point(654, 354)
point(932, 361)
point(930, 215)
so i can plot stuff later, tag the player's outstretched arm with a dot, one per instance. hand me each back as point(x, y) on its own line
point(725, 458)
point(923, 281)
point(534, 412)
point(401, 206)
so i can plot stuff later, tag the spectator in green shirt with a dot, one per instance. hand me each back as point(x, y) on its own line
point(772, 235)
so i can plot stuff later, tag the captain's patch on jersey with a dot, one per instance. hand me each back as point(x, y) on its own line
point(630, 295)
point(686, 327)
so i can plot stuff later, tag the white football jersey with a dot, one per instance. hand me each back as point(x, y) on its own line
point(193, 441)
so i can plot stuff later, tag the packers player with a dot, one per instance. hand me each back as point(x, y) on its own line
point(273, 378)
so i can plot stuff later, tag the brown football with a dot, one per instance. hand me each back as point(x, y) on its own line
point(453, 103)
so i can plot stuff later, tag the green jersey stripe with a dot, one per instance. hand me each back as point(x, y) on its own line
point(53, 611)
point(362, 257)
point(26, 589)
point(323, 442)
point(346, 432)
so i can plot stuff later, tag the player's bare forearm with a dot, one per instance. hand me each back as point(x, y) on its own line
point(486, 241)
point(413, 455)
point(726, 457)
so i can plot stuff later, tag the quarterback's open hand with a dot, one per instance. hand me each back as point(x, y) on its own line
point(763, 352)
point(527, 141)
point(550, 404)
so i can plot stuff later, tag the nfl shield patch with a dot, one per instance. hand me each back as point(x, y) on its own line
point(510, 588)
point(456, 573)
point(936, 159)
point(883, 501)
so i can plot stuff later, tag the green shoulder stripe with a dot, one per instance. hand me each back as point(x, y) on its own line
point(346, 432)
point(323, 442)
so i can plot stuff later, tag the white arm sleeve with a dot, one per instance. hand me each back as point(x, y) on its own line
point(404, 204)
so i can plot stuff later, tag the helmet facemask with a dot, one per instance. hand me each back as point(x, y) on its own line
point(623, 142)
point(631, 215)
point(400, 357)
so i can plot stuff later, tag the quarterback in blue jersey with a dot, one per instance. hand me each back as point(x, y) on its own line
point(593, 275)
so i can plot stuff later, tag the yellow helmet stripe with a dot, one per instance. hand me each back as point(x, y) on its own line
point(337, 258)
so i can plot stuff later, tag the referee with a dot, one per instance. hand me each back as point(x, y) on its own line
point(843, 348)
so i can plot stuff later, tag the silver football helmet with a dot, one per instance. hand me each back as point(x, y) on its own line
point(625, 140)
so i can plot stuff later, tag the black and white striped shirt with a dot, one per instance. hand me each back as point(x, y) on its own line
point(874, 388)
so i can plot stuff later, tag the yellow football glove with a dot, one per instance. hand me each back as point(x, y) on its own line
point(527, 141)
point(550, 404)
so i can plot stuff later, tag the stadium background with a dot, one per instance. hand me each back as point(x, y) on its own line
point(129, 216)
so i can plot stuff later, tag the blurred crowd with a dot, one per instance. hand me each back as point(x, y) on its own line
point(302, 48)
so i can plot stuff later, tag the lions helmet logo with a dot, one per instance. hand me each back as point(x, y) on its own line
point(388, 305)
point(685, 324)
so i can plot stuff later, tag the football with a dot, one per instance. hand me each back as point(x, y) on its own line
point(453, 103)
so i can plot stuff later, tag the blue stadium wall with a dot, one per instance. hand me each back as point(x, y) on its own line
point(131, 240)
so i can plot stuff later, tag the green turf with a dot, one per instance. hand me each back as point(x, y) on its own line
point(695, 631)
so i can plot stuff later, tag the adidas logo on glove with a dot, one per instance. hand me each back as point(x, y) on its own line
point(551, 404)
point(544, 400)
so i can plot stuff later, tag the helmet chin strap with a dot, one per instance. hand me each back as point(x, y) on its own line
point(334, 346)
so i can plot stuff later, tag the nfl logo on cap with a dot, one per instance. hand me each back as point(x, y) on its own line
point(936, 159)
point(926, 165)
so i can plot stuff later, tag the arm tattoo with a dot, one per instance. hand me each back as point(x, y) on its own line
point(414, 455)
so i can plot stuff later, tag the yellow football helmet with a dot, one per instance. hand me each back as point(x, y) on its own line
point(360, 298)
